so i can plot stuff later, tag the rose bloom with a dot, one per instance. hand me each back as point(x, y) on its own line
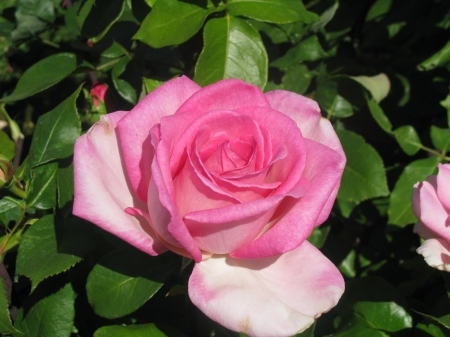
point(234, 179)
point(431, 205)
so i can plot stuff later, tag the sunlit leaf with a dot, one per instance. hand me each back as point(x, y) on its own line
point(233, 49)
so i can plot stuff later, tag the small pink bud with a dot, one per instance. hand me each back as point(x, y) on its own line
point(100, 93)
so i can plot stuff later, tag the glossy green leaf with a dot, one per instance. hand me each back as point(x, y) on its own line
point(8, 203)
point(400, 211)
point(233, 49)
point(100, 15)
point(43, 9)
point(172, 22)
point(42, 192)
point(126, 79)
point(7, 146)
point(307, 50)
point(406, 90)
point(358, 327)
point(364, 174)
point(138, 330)
point(440, 138)
point(379, 116)
point(347, 265)
point(331, 102)
point(441, 58)
point(378, 85)
point(123, 281)
point(38, 256)
point(5, 320)
point(43, 75)
point(378, 303)
point(56, 132)
point(408, 139)
point(274, 11)
point(51, 316)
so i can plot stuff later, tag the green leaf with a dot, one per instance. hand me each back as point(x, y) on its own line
point(378, 303)
point(126, 77)
point(400, 210)
point(430, 330)
point(64, 179)
point(347, 265)
point(408, 139)
point(8, 203)
point(123, 281)
point(56, 132)
point(28, 26)
point(43, 75)
point(440, 138)
point(319, 236)
point(378, 9)
point(7, 146)
point(325, 17)
point(171, 22)
point(51, 316)
point(364, 175)
point(42, 192)
point(444, 320)
point(379, 116)
point(358, 327)
point(233, 49)
point(331, 102)
point(5, 320)
point(151, 84)
point(138, 330)
point(97, 17)
point(307, 50)
point(297, 79)
point(274, 11)
point(38, 256)
point(378, 85)
point(446, 104)
point(441, 58)
point(43, 9)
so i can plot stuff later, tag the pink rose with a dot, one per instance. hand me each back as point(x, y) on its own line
point(100, 93)
point(431, 205)
point(231, 177)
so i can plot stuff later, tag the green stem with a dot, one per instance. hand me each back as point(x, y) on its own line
point(50, 43)
point(17, 191)
point(110, 63)
point(8, 236)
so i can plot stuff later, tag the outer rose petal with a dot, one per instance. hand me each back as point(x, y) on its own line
point(429, 210)
point(102, 192)
point(135, 126)
point(443, 185)
point(306, 113)
point(277, 296)
point(295, 219)
point(436, 253)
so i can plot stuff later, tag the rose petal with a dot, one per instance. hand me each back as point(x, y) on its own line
point(226, 229)
point(162, 207)
point(102, 192)
point(297, 218)
point(225, 95)
point(277, 296)
point(134, 128)
point(436, 253)
point(430, 211)
point(443, 185)
point(306, 113)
